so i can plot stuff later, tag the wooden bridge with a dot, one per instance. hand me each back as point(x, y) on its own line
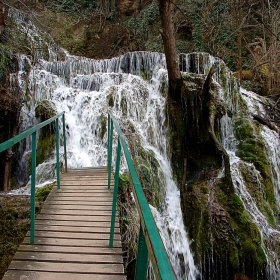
point(72, 233)
point(76, 235)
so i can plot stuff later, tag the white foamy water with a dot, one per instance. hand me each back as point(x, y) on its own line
point(270, 236)
point(132, 88)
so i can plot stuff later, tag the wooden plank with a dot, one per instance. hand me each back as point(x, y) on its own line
point(81, 195)
point(89, 207)
point(71, 242)
point(77, 178)
point(85, 183)
point(76, 212)
point(67, 257)
point(69, 228)
point(68, 267)
point(99, 188)
point(85, 199)
point(34, 275)
point(75, 235)
point(88, 224)
point(73, 202)
point(71, 249)
point(74, 218)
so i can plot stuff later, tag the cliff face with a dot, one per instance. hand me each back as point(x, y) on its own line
point(230, 212)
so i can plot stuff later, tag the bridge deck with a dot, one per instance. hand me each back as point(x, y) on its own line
point(72, 233)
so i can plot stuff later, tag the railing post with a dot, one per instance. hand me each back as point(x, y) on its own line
point(116, 186)
point(110, 144)
point(57, 154)
point(32, 196)
point(64, 141)
point(108, 139)
point(142, 257)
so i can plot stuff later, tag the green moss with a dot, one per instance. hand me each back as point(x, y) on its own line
point(45, 109)
point(124, 178)
point(103, 122)
point(245, 232)
point(124, 106)
point(8, 62)
point(110, 99)
point(149, 175)
point(221, 228)
point(243, 129)
point(45, 146)
point(42, 193)
point(252, 149)
point(234, 256)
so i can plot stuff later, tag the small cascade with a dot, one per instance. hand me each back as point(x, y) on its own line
point(197, 63)
point(270, 235)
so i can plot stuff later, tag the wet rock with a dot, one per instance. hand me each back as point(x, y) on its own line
point(45, 109)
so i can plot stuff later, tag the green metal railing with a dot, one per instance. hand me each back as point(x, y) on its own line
point(150, 243)
point(32, 131)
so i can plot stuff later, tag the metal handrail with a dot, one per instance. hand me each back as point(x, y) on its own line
point(32, 131)
point(150, 243)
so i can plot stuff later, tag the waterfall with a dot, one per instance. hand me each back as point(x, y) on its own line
point(134, 88)
point(270, 235)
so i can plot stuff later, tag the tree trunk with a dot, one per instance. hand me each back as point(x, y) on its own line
point(239, 40)
point(6, 172)
point(166, 8)
point(3, 14)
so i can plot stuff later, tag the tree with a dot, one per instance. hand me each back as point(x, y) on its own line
point(3, 14)
point(185, 140)
point(166, 8)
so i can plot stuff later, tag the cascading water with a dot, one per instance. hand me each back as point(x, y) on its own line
point(134, 88)
point(270, 235)
point(137, 103)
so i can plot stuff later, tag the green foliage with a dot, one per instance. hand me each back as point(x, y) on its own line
point(71, 6)
point(8, 62)
point(45, 146)
point(14, 224)
point(42, 193)
point(129, 222)
point(142, 26)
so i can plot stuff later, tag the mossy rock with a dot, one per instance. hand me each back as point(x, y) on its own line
point(45, 146)
point(103, 122)
point(221, 229)
point(45, 109)
point(252, 149)
point(149, 175)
